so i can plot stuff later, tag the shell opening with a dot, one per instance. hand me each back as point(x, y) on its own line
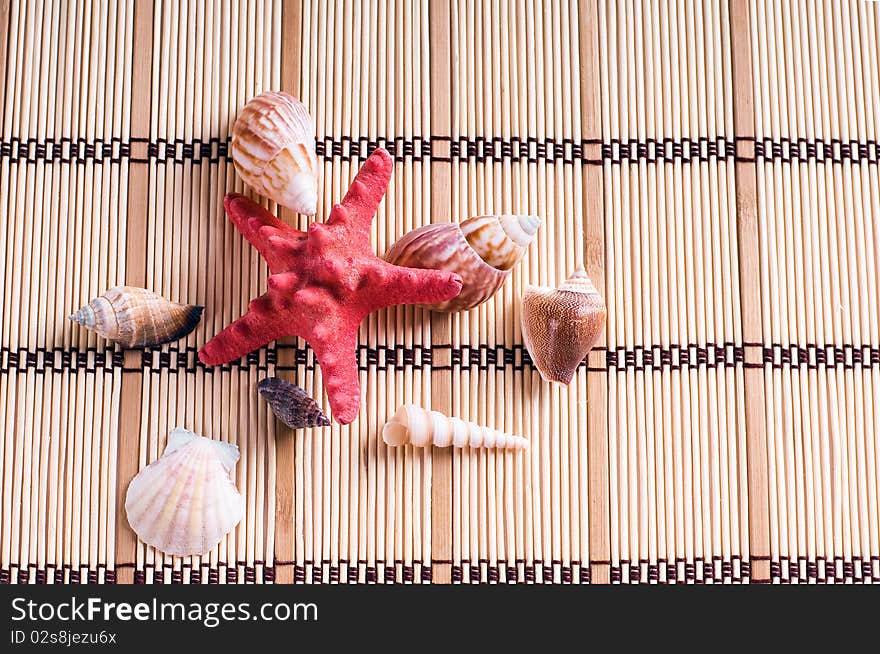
point(395, 434)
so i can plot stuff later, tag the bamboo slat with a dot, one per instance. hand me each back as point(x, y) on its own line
point(594, 260)
point(135, 275)
point(285, 516)
point(441, 326)
point(748, 234)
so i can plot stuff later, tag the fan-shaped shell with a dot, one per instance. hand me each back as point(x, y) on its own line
point(422, 428)
point(561, 325)
point(482, 250)
point(185, 502)
point(273, 149)
point(136, 317)
point(291, 404)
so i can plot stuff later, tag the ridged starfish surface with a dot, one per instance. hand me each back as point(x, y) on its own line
point(323, 283)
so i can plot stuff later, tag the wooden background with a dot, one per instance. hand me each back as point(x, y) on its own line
point(713, 164)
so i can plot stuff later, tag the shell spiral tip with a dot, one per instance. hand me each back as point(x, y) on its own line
point(530, 224)
point(84, 316)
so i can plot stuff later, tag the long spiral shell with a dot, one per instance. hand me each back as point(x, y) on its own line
point(291, 404)
point(273, 149)
point(422, 428)
point(136, 317)
point(561, 325)
point(482, 250)
point(185, 501)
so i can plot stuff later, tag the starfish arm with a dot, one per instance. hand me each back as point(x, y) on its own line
point(359, 205)
point(336, 352)
point(259, 326)
point(415, 286)
point(274, 240)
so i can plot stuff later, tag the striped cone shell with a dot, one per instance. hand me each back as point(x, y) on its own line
point(137, 317)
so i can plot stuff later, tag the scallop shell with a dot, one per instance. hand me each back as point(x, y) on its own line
point(136, 317)
point(185, 502)
point(291, 404)
point(482, 250)
point(561, 325)
point(420, 427)
point(273, 149)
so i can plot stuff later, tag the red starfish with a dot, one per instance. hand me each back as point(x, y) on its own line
point(323, 283)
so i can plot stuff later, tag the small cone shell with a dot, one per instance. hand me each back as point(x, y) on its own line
point(291, 404)
point(420, 427)
point(273, 149)
point(482, 250)
point(561, 325)
point(184, 503)
point(136, 317)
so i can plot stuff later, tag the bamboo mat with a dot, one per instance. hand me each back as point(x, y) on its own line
point(714, 165)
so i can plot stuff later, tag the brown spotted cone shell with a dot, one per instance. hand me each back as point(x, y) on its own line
point(482, 250)
point(291, 404)
point(137, 317)
point(561, 325)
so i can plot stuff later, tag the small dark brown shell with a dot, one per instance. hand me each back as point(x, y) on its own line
point(291, 404)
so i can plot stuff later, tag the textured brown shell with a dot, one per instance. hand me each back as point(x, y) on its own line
point(291, 404)
point(560, 327)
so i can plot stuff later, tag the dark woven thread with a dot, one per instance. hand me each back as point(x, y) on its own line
point(687, 150)
point(483, 149)
point(833, 151)
point(823, 570)
point(65, 150)
point(474, 357)
point(483, 572)
point(697, 571)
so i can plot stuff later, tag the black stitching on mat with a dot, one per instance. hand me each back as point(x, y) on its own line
point(697, 571)
point(482, 357)
point(484, 149)
point(823, 570)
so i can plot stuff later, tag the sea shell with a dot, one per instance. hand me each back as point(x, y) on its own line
point(421, 428)
point(185, 502)
point(136, 317)
point(561, 325)
point(273, 149)
point(482, 249)
point(291, 404)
